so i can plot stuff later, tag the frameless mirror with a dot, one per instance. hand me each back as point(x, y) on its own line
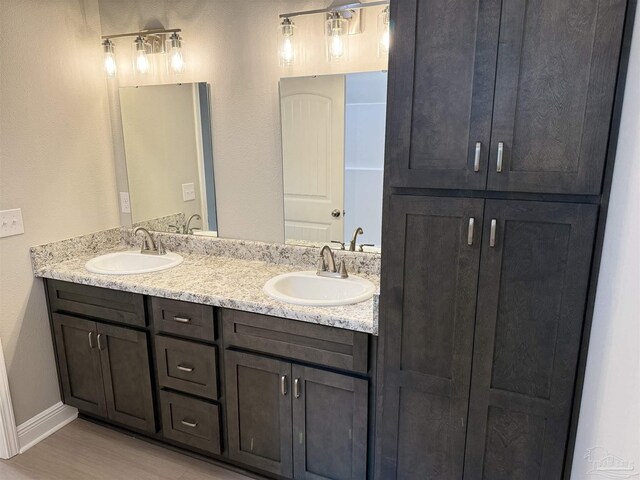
point(333, 130)
point(168, 148)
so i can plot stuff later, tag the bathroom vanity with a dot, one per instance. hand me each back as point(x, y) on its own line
point(198, 358)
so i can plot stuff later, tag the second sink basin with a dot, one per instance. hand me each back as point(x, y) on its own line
point(307, 288)
point(131, 262)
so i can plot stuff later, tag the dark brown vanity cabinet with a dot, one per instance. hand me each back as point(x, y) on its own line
point(104, 370)
point(508, 96)
point(293, 420)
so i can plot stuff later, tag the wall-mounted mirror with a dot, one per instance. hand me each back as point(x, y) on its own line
point(168, 148)
point(333, 130)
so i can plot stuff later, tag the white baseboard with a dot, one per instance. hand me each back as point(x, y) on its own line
point(44, 424)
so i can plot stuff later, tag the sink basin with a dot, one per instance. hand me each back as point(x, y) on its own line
point(132, 262)
point(307, 288)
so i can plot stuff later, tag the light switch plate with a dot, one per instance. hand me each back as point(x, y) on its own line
point(125, 202)
point(188, 192)
point(11, 222)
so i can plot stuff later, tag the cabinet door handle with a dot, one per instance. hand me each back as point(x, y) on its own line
point(185, 369)
point(100, 346)
point(472, 222)
point(189, 424)
point(492, 236)
point(182, 320)
point(283, 385)
point(476, 161)
point(91, 345)
point(500, 155)
point(296, 388)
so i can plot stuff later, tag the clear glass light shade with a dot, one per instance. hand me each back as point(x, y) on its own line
point(287, 44)
point(384, 34)
point(110, 67)
point(337, 39)
point(175, 54)
point(141, 62)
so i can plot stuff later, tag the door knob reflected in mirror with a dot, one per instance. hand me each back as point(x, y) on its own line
point(335, 213)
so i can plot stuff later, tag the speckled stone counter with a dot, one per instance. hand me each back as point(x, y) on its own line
point(218, 280)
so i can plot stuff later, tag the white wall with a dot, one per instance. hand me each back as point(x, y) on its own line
point(232, 45)
point(55, 163)
point(610, 412)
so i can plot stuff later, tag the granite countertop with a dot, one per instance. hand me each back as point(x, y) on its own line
point(222, 282)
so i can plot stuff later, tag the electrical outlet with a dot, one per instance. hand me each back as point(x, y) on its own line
point(11, 222)
point(125, 202)
point(188, 192)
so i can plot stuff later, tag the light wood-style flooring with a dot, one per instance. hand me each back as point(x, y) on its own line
point(85, 451)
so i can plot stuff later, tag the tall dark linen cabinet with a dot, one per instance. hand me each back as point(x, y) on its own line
point(501, 134)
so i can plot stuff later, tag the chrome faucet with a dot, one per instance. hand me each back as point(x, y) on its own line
point(149, 247)
point(354, 239)
point(187, 226)
point(327, 265)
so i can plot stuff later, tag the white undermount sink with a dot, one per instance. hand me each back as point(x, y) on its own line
point(307, 288)
point(131, 262)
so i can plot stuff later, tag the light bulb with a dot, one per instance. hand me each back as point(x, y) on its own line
point(337, 40)
point(287, 51)
point(141, 61)
point(176, 59)
point(384, 35)
point(109, 58)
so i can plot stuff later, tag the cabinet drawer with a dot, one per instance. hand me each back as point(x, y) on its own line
point(319, 344)
point(183, 318)
point(96, 302)
point(192, 422)
point(186, 366)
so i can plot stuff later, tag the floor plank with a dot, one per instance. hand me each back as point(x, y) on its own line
point(85, 451)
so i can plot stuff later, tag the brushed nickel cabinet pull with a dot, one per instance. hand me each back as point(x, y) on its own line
point(500, 155)
point(100, 346)
point(182, 320)
point(296, 388)
point(184, 369)
point(188, 424)
point(472, 222)
point(476, 161)
point(492, 236)
point(91, 345)
point(283, 385)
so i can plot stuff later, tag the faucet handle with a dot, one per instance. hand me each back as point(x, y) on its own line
point(176, 228)
point(160, 247)
point(340, 243)
point(322, 266)
point(343, 270)
point(191, 230)
point(362, 245)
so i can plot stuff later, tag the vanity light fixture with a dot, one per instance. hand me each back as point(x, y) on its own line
point(343, 18)
point(145, 44)
point(384, 35)
point(287, 50)
point(109, 58)
point(337, 38)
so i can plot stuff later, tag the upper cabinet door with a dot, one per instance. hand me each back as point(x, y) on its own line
point(441, 83)
point(557, 67)
point(534, 274)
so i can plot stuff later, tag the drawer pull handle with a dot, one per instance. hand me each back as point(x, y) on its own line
point(189, 424)
point(100, 346)
point(500, 154)
point(185, 369)
point(283, 385)
point(182, 320)
point(91, 345)
point(472, 222)
point(492, 236)
point(476, 160)
point(296, 388)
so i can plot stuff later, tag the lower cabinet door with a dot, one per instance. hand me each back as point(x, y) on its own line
point(259, 412)
point(329, 425)
point(127, 380)
point(532, 293)
point(79, 363)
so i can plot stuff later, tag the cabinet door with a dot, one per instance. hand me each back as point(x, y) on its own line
point(531, 303)
point(557, 68)
point(79, 363)
point(329, 425)
point(441, 83)
point(259, 412)
point(428, 300)
point(124, 357)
